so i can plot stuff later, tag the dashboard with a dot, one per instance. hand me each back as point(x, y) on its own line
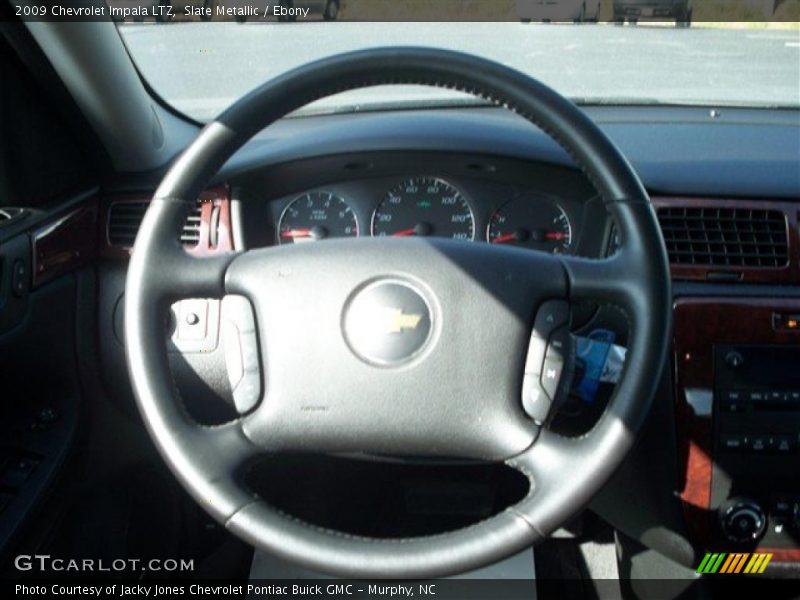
point(477, 176)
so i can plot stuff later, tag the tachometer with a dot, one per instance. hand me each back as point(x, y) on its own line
point(531, 222)
point(316, 216)
point(424, 206)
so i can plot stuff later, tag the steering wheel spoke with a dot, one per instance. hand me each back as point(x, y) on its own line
point(625, 278)
point(169, 272)
point(605, 280)
point(219, 455)
point(546, 462)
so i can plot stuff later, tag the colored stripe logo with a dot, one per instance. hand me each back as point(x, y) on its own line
point(743, 562)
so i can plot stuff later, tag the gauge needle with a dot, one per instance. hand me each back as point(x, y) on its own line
point(502, 239)
point(405, 232)
point(296, 233)
point(555, 235)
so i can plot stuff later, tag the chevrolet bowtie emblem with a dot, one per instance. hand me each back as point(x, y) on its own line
point(396, 321)
point(387, 322)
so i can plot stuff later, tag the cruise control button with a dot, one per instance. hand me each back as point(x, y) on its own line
point(534, 401)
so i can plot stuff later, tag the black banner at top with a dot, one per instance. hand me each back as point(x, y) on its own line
point(685, 12)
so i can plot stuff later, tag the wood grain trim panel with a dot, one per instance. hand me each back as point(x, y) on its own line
point(699, 324)
point(215, 201)
point(65, 244)
point(783, 275)
point(782, 555)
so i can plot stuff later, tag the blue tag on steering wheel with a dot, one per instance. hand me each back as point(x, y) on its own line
point(591, 354)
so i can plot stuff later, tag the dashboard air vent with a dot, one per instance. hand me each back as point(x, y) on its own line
point(124, 219)
point(728, 237)
point(190, 235)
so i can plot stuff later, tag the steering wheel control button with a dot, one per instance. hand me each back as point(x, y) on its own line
point(549, 352)
point(551, 374)
point(232, 349)
point(193, 319)
point(534, 401)
point(194, 326)
point(388, 322)
point(240, 347)
point(552, 314)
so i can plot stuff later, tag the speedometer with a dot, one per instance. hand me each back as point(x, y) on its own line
point(316, 216)
point(424, 206)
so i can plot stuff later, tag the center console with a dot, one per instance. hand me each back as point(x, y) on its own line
point(756, 475)
point(738, 403)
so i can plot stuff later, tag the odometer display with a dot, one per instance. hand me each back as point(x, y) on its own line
point(424, 206)
point(316, 216)
point(534, 223)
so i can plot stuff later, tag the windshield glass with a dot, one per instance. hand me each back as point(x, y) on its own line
point(201, 65)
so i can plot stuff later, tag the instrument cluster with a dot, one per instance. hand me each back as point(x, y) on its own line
point(429, 206)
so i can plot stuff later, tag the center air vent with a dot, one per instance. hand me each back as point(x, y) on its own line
point(124, 219)
point(727, 237)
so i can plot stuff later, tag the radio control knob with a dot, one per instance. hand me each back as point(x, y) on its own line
point(742, 520)
point(734, 359)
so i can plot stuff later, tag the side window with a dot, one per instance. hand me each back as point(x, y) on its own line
point(40, 157)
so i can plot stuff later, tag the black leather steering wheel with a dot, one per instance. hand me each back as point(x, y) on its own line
point(452, 391)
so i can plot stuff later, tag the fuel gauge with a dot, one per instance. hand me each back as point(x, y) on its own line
point(533, 223)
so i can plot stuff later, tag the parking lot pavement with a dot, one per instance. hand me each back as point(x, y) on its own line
point(203, 67)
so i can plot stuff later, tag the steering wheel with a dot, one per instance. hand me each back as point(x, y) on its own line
point(414, 348)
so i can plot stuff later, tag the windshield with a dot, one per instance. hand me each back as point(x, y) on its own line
point(200, 67)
